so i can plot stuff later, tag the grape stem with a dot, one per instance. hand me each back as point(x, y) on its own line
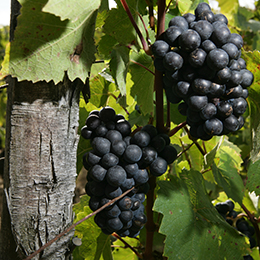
point(76, 224)
point(144, 43)
point(253, 220)
point(177, 128)
point(127, 245)
point(141, 65)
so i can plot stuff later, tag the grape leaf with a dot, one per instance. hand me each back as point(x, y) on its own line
point(253, 60)
point(192, 226)
point(253, 183)
point(143, 81)
point(119, 65)
point(226, 169)
point(45, 47)
point(95, 244)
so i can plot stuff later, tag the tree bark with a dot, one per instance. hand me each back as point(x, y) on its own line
point(40, 167)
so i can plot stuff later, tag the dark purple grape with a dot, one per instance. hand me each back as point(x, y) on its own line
point(141, 176)
point(127, 184)
point(101, 131)
point(158, 166)
point(239, 106)
point(221, 35)
point(93, 122)
point(224, 109)
point(197, 58)
point(235, 79)
point(204, 29)
point(94, 203)
point(112, 192)
point(86, 133)
point(201, 86)
point(217, 59)
point(242, 63)
point(206, 15)
point(97, 173)
point(221, 18)
point(141, 138)
point(231, 123)
point(114, 224)
point(234, 92)
point(133, 153)
point(116, 175)
point(160, 48)
point(109, 160)
point(208, 46)
point(236, 39)
point(125, 203)
point(182, 89)
point(208, 111)
point(113, 212)
point(216, 90)
point(151, 130)
point(118, 147)
point(169, 154)
point(213, 126)
point(101, 145)
point(107, 114)
point(124, 127)
point(172, 34)
point(197, 103)
point(202, 7)
point(149, 155)
point(189, 17)
point(223, 76)
point(180, 22)
point(189, 40)
point(92, 158)
point(231, 49)
point(234, 65)
point(245, 93)
point(126, 216)
point(172, 61)
point(247, 78)
point(158, 143)
point(182, 108)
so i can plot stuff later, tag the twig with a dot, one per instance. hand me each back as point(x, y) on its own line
point(177, 128)
point(4, 86)
point(141, 65)
point(186, 149)
point(187, 157)
point(144, 43)
point(75, 224)
point(253, 220)
point(127, 245)
point(2, 158)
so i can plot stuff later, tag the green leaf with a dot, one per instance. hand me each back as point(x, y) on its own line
point(192, 226)
point(45, 47)
point(253, 180)
point(95, 244)
point(119, 65)
point(121, 252)
point(226, 173)
point(143, 81)
point(253, 60)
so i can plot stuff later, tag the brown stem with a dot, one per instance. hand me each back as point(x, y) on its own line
point(144, 43)
point(75, 224)
point(186, 155)
point(127, 245)
point(150, 226)
point(168, 119)
point(177, 128)
point(186, 149)
point(253, 220)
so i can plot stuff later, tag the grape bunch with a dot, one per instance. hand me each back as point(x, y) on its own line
point(118, 162)
point(226, 210)
point(203, 72)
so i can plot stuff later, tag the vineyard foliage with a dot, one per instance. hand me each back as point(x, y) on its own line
point(90, 41)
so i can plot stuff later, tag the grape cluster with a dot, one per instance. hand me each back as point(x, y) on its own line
point(226, 210)
point(203, 72)
point(118, 162)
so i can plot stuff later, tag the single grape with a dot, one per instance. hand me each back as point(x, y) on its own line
point(172, 34)
point(116, 175)
point(109, 160)
point(97, 173)
point(149, 154)
point(236, 39)
point(206, 15)
point(231, 123)
point(114, 135)
point(114, 212)
point(141, 176)
point(204, 29)
point(216, 90)
point(158, 143)
point(140, 196)
point(112, 192)
point(107, 114)
point(239, 106)
point(221, 35)
point(151, 130)
point(141, 138)
point(234, 92)
point(94, 203)
point(158, 167)
point(172, 61)
point(114, 224)
point(197, 103)
point(208, 112)
point(223, 75)
point(217, 59)
point(133, 153)
point(182, 89)
point(231, 49)
point(125, 203)
point(224, 108)
point(127, 184)
point(160, 48)
point(189, 17)
point(189, 40)
point(93, 122)
point(221, 18)
point(86, 133)
point(197, 58)
point(101, 145)
point(126, 216)
point(169, 154)
point(208, 46)
point(180, 22)
point(101, 131)
point(213, 126)
point(247, 78)
point(201, 86)
point(124, 127)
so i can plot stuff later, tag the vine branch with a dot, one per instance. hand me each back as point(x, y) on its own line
point(76, 224)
